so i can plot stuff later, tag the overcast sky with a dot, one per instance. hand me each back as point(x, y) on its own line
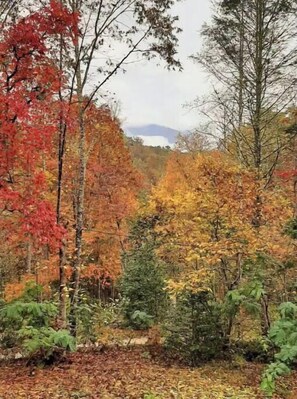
point(151, 94)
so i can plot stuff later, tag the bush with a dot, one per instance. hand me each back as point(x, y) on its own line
point(46, 343)
point(141, 320)
point(194, 331)
point(93, 317)
point(257, 350)
point(30, 326)
point(16, 315)
point(283, 335)
point(143, 289)
point(32, 292)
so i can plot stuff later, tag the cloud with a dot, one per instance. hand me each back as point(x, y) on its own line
point(155, 141)
point(152, 94)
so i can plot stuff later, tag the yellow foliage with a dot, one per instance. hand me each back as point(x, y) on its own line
point(207, 205)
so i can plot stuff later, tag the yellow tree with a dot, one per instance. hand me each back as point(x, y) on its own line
point(206, 205)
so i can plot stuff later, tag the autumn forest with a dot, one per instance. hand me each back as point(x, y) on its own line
point(132, 271)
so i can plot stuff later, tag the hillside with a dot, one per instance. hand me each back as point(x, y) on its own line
point(150, 161)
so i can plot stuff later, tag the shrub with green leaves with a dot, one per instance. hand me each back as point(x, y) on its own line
point(194, 329)
point(30, 326)
point(46, 342)
point(143, 288)
point(93, 316)
point(16, 315)
point(283, 335)
point(32, 293)
point(141, 320)
point(248, 297)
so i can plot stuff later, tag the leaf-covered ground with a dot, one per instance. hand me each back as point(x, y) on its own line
point(131, 373)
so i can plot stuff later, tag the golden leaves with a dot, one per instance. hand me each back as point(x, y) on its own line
point(194, 282)
point(207, 204)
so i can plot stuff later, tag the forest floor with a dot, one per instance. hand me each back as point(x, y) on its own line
point(133, 373)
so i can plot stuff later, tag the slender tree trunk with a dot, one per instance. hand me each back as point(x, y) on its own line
point(258, 86)
point(265, 318)
point(80, 195)
point(61, 154)
point(256, 118)
point(63, 278)
point(241, 80)
point(62, 288)
point(295, 178)
point(62, 274)
point(257, 126)
point(29, 256)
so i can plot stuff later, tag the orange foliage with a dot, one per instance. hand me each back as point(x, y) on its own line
point(43, 276)
point(112, 186)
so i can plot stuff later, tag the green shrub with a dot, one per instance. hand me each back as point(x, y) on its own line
point(291, 228)
point(194, 331)
point(30, 326)
point(16, 315)
point(86, 320)
point(143, 288)
point(45, 342)
point(93, 316)
point(141, 320)
point(283, 335)
point(32, 293)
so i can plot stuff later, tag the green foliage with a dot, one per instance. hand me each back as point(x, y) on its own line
point(150, 396)
point(291, 229)
point(33, 313)
point(283, 334)
point(247, 297)
point(45, 341)
point(141, 320)
point(30, 326)
point(93, 316)
point(194, 329)
point(86, 318)
point(143, 288)
point(32, 292)
point(16, 315)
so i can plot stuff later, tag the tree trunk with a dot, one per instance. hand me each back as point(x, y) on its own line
point(61, 154)
point(29, 256)
point(62, 288)
point(62, 275)
point(80, 197)
point(265, 318)
point(241, 81)
point(258, 87)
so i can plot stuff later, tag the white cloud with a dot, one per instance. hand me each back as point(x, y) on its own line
point(155, 141)
point(152, 94)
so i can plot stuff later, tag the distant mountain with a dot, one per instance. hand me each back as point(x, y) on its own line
point(153, 134)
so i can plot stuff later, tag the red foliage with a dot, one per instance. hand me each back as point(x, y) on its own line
point(29, 80)
point(287, 174)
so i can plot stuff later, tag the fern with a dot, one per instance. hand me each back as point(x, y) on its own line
point(283, 335)
point(29, 325)
point(46, 340)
